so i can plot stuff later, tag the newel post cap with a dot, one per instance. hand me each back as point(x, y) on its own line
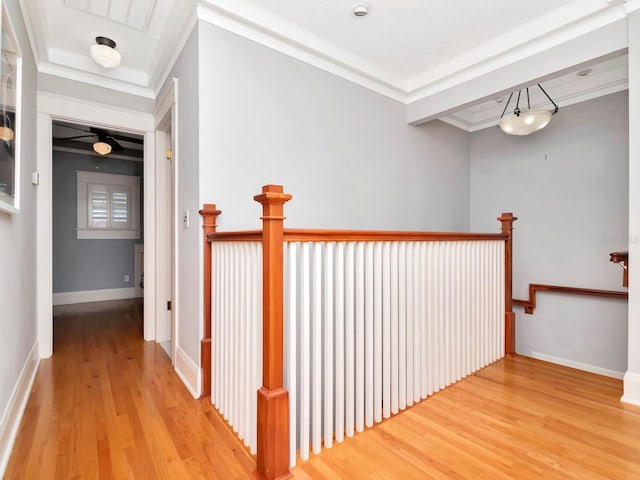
point(273, 195)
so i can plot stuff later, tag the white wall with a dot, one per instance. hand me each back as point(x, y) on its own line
point(568, 185)
point(17, 254)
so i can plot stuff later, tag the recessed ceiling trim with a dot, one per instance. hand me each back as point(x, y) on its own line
point(94, 79)
point(463, 69)
point(134, 14)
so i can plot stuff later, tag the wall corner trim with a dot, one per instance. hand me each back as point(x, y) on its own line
point(188, 371)
point(631, 388)
point(15, 408)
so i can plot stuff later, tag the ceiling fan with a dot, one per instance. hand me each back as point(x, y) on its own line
point(106, 141)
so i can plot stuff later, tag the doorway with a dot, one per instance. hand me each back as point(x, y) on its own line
point(70, 110)
point(97, 244)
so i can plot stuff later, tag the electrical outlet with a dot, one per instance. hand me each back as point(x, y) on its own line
point(126, 279)
point(185, 219)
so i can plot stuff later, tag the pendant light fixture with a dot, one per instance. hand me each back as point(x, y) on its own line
point(527, 121)
point(104, 53)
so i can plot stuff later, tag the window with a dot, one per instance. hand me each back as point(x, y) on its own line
point(108, 206)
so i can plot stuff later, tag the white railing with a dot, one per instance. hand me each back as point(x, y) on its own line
point(374, 327)
point(314, 335)
point(237, 333)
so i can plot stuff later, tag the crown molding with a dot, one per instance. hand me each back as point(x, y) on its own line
point(287, 38)
point(632, 5)
point(253, 23)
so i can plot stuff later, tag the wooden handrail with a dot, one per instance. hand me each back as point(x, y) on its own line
point(530, 304)
point(209, 214)
point(273, 399)
point(317, 235)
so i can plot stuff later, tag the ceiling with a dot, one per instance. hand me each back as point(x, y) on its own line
point(404, 49)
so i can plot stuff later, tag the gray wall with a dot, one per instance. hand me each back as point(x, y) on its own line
point(568, 185)
point(344, 152)
point(18, 239)
point(80, 265)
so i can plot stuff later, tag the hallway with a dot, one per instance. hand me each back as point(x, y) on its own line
point(108, 405)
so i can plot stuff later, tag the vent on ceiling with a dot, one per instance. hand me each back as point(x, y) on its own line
point(131, 13)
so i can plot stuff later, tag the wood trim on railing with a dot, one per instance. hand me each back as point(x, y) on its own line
point(247, 236)
point(309, 235)
point(316, 235)
point(530, 304)
point(273, 399)
point(507, 219)
point(209, 214)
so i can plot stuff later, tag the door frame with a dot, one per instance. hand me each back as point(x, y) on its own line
point(166, 114)
point(56, 107)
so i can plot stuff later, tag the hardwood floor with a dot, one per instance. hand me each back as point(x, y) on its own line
point(516, 419)
point(108, 405)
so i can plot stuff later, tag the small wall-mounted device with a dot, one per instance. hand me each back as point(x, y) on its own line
point(35, 178)
point(185, 219)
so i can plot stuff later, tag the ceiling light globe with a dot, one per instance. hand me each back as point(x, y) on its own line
point(533, 121)
point(105, 56)
point(102, 148)
point(6, 133)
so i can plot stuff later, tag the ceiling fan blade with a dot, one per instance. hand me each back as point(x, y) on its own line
point(124, 138)
point(114, 143)
point(78, 136)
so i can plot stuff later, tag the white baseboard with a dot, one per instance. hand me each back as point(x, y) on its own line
point(188, 372)
point(631, 388)
point(15, 408)
point(86, 296)
point(577, 365)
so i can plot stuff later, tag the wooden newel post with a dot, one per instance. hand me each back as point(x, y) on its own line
point(209, 215)
point(273, 398)
point(507, 219)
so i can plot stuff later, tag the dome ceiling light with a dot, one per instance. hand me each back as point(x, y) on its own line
point(360, 11)
point(525, 122)
point(104, 53)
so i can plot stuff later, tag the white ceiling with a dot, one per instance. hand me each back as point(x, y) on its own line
point(404, 49)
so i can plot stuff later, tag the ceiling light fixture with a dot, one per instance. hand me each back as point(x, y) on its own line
point(104, 53)
point(360, 11)
point(525, 122)
point(102, 148)
point(7, 133)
